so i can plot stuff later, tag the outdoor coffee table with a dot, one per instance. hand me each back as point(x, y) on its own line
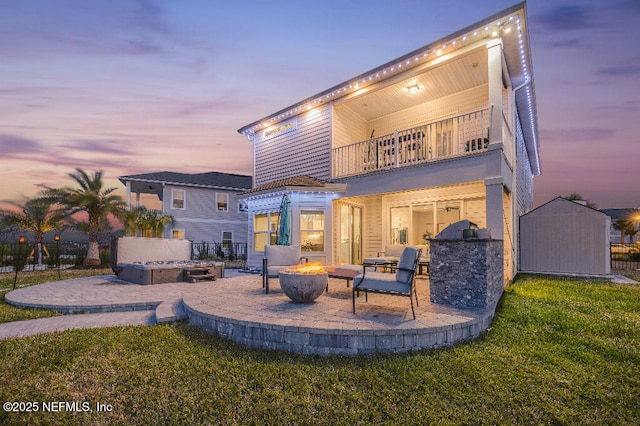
point(380, 262)
point(343, 273)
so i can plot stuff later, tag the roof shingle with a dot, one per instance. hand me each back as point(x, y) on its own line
point(208, 179)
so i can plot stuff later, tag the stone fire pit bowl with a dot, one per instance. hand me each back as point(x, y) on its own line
point(303, 287)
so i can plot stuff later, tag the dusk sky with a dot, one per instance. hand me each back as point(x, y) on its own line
point(132, 87)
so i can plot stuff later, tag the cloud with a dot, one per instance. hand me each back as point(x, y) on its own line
point(564, 18)
point(570, 43)
point(80, 27)
point(624, 107)
point(629, 67)
point(12, 146)
point(577, 134)
point(632, 6)
point(99, 147)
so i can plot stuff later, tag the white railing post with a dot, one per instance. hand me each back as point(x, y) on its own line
point(395, 141)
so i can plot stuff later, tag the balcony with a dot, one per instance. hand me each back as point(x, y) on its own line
point(458, 136)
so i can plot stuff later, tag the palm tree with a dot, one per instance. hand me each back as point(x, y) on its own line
point(92, 198)
point(38, 216)
point(622, 225)
point(143, 221)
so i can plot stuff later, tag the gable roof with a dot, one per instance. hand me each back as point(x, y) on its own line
point(215, 180)
point(561, 205)
point(300, 182)
point(511, 24)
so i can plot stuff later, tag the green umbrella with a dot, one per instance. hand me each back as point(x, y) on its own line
point(284, 226)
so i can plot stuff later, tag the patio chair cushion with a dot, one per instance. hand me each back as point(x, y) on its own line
point(384, 284)
point(407, 264)
point(282, 255)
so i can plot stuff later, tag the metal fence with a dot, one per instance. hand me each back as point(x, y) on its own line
point(221, 251)
point(625, 256)
point(66, 254)
point(44, 256)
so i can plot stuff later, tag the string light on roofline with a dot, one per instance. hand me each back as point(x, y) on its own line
point(502, 27)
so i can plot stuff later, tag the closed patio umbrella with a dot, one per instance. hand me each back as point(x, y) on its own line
point(284, 226)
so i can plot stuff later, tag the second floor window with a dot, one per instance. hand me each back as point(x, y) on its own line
point(177, 199)
point(222, 202)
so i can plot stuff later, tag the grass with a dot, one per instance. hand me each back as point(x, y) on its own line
point(559, 352)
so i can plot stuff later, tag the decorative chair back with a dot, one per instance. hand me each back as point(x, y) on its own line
point(407, 264)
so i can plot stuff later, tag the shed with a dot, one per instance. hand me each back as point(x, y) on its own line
point(565, 237)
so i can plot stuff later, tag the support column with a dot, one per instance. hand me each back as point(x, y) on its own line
point(494, 207)
point(494, 48)
point(128, 196)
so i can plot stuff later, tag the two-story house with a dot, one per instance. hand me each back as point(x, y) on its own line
point(396, 154)
point(206, 206)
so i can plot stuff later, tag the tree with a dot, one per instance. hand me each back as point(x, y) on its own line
point(38, 216)
point(145, 222)
point(625, 227)
point(92, 198)
point(577, 197)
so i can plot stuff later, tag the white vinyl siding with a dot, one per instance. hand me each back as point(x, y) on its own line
point(305, 150)
point(201, 221)
point(524, 176)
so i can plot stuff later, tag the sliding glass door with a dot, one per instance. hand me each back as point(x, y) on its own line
point(350, 234)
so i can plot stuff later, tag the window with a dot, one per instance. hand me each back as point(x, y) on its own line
point(265, 227)
point(227, 239)
point(177, 198)
point(222, 202)
point(177, 234)
point(242, 207)
point(312, 230)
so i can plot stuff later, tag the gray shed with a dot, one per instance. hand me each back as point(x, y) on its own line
point(565, 237)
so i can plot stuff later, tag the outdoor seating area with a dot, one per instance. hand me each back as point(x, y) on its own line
point(400, 284)
point(237, 309)
point(387, 260)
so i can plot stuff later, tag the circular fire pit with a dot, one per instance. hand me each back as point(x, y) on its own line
point(303, 287)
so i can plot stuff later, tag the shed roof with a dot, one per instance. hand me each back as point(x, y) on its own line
point(561, 205)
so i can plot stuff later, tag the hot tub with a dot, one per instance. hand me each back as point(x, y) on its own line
point(164, 271)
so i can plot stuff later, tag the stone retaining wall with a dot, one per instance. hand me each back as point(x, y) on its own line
point(320, 341)
point(466, 273)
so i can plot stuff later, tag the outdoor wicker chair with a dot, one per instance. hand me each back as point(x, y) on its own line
point(400, 284)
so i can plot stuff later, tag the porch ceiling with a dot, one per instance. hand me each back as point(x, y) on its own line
point(462, 73)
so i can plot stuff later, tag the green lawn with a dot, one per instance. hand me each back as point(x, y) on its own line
point(558, 352)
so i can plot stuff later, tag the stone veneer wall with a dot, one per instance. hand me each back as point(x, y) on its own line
point(466, 273)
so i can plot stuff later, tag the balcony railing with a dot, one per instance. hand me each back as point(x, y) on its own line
point(457, 136)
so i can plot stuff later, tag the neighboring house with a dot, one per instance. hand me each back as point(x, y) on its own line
point(630, 214)
point(444, 133)
point(205, 206)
